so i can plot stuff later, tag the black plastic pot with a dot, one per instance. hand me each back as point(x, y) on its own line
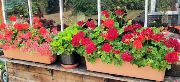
point(69, 59)
point(174, 71)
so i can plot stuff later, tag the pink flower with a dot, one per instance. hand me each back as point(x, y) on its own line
point(27, 35)
point(36, 38)
point(54, 30)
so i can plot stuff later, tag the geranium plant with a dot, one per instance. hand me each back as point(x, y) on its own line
point(130, 43)
point(30, 39)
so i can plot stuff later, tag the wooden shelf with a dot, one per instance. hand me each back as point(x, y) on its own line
point(82, 70)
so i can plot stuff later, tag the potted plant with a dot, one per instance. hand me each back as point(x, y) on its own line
point(61, 45)
point(130, 50)
point(21, 41)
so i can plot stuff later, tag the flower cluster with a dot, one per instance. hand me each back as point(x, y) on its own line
point(138, 45)
point(172, 43)
point(80, 39)
point(23, 36)
point(132, 28)
point(112, 34)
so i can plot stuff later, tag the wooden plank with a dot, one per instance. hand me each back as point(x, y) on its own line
point(80, 70)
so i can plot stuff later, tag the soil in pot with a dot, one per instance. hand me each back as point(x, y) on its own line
point(70, 61)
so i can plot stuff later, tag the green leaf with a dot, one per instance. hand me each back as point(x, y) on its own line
point(116, 24)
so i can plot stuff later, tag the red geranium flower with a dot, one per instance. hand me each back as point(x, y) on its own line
point(80, 23)
point(77, 38)
point(132, 28)
point(86, 41)
point(172, 57)
point(91, 24)
point(106, 47)
point(158, 37)
point(126, 56)
point(25, 26)
point(42, 31)
point(12, 18)
point(137, 26)
point(119, 12)
point(137, 44)
point(140, 37)
point(148, 33)
point(109, 23)
point(18, 26)
point(172, 43)
point(36, 19)
point(112, 34)
point(91, 48)
point(126, 38)
point(2, 25)
point(105, 13)
point(116, 51)
point(129, 28)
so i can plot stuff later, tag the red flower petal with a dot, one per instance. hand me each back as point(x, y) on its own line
point(106, 47)
point(109, 23)
point(172, 57)
point(12, 18)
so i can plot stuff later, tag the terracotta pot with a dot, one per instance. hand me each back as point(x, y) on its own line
point(35, 57)
point(127, 69)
